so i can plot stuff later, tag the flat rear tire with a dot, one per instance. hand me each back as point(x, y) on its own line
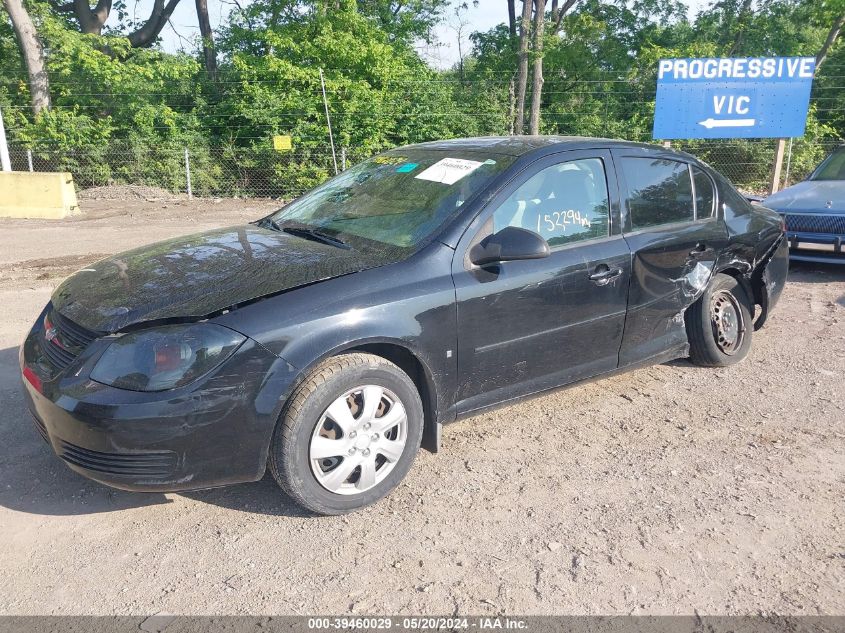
point(720, 324)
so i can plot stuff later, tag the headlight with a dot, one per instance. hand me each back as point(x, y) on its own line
point(165, 357)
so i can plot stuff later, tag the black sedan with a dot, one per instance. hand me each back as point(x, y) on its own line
point(330, 340)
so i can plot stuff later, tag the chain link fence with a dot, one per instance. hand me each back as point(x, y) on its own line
point(749, 164)
point(202, 171)
point(267, 173)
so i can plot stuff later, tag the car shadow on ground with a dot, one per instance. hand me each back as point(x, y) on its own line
point(35, 481)
point(259, 497)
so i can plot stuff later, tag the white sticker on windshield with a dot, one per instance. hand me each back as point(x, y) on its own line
point(449, 170)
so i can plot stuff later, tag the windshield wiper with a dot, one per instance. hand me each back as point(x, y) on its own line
point(312, 234)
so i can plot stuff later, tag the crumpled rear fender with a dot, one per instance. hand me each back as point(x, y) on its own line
point(769, 278)
point(762, 277)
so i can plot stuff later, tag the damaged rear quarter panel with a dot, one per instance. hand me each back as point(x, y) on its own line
point(758, 254)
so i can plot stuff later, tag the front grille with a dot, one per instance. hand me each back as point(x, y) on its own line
point(69, 340)
point(150, 464)
point(815, 223)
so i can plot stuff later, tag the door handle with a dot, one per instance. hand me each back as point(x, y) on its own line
point(603, 274)
point(698, 249)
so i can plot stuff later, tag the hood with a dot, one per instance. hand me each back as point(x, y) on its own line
point(197, 275)
point(810, 196)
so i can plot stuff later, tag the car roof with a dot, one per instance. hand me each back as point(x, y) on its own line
point(519, 145)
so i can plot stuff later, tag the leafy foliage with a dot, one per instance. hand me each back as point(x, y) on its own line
point(125, 114)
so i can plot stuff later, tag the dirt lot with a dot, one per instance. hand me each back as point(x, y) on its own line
point(669, 490)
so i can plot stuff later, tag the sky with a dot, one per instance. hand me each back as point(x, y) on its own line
point(443, 54)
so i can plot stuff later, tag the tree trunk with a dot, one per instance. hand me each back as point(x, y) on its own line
point(522, 72)
point(743, 16)
point(512, 18)
point(511, 99)
point(91, 20)
point(537, 83)
point(558, 13)
point(147, 34)
point(830, 40)
point(208, 52)
point(33, 55)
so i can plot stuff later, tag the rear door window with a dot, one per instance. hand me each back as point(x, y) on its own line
point(660, 192)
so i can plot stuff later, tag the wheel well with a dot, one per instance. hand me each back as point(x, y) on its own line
point(411, 365)
point(743, 281)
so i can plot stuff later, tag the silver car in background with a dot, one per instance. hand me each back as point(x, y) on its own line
point(814, 212)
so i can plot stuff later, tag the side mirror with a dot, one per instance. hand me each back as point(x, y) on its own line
point(508, 245)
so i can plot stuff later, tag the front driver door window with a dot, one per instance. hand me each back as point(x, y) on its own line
point(564, 203)
point(525, 326)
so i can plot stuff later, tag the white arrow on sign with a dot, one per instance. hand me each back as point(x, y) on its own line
point(711, 123)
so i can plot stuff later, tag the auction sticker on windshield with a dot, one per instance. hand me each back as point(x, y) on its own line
point(449, 170)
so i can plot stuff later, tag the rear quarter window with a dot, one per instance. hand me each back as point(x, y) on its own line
point(733, 202)
point(705, 198)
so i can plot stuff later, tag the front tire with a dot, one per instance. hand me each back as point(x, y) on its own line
point(349, 434)
point(719, 325)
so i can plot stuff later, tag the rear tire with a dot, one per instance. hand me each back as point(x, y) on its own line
point(349, 434)
point(719, 325)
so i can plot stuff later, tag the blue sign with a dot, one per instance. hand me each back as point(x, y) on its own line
point(747, 97)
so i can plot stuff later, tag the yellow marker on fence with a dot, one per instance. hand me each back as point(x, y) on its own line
point(282, 143)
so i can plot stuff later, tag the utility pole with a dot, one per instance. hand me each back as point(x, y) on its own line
point(188, 174)
point(5, 163)
point(779, 152)
point(328, 121)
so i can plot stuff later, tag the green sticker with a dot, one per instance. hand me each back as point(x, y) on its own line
point(406, 168)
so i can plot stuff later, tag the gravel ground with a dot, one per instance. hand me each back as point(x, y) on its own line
point(669, 490)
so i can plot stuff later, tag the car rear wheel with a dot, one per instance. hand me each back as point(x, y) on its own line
point(719, 324)
point(349, 434)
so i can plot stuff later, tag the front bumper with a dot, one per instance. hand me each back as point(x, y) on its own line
point(815, 237)
point(816, 247)
point(213, 432)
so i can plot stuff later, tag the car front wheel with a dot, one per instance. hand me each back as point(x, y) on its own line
point(349, 434)
point(719, 324)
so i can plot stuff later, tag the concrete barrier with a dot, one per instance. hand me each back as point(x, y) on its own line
point(25, 194)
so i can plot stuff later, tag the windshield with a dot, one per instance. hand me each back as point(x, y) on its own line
point(831, 168)
point(398, 198)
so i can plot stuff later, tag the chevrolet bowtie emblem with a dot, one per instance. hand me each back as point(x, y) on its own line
point(52, 336)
